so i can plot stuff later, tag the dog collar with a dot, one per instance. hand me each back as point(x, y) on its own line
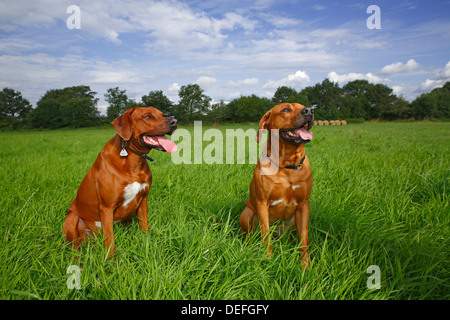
point(123, 152)
point(297, 167)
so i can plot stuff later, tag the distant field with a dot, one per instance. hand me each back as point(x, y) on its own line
point(380, 197)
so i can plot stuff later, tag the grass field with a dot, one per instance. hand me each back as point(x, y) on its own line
point(380, 197)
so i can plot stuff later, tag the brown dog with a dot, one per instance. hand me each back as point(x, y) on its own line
point(283, 196)
point(118, 183)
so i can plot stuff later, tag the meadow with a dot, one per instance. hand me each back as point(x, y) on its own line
point(380, 197)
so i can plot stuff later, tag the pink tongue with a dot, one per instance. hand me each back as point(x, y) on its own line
point(167, 144)
point(305, 134)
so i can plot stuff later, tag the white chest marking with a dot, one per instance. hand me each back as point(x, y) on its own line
point(295, 187)
point(132, 190)
point(275, 202)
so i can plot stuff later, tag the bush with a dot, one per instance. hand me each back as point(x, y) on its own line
point(355, 120)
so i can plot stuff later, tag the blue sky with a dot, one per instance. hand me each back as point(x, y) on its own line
point(230, 48)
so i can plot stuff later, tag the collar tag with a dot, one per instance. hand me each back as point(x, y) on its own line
point(123, 153)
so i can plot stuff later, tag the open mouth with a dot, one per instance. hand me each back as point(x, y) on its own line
point(161, 142)
point(298, 135)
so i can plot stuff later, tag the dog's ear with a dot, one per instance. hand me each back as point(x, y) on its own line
point(122, 125)
point(262, 125)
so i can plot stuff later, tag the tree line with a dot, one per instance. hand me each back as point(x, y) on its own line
point(77, 106)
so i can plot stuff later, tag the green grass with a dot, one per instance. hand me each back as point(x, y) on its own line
point(380, 197)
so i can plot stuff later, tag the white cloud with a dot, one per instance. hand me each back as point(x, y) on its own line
point(319, 7)
point(174, 88)
point(168, 24)
point(177, 29)
point(173, 26)
point(345, 78)
point(398, 90)
point(233, 95)
point(297, 80)
point(102, 107)
point(16, 45)
point(444, 74)
point(44, 72)
point(172, 91)
point(399, 67)
point(40, 13)
point(438, 80)
point(173, 41)
point(430, 84)
point(239, 83)
point(206, 82)
point(280, 21)
point(405, 91)
point(114, 77)
point(231, 21)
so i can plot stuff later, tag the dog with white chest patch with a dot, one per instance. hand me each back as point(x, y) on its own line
point(118, 183)
point(282, 196)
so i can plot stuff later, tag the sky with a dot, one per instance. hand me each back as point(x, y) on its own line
point(230, 48)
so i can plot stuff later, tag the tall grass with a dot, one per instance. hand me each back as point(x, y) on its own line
point(380, 197)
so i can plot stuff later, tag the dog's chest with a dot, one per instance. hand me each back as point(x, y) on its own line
point(131, 191)
point(284, 198)
point(286, 194)
point(132, 195)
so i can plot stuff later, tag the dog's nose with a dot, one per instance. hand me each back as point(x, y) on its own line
point(172, 122)
point(307, 112)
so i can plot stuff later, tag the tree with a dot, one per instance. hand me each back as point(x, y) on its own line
point(79, 113)
point(326, 99)
point(247, 108)
point(287, 94)
point(14, 109)
point(441, 108)
point(355, 107)
point(433, 105)
point(192, 102)
point(356, 88)
point(117, 100)
point(283, 94)
point(47, 114)
point(68, 93)
point(158, 100)
point(355, 99)
point(399, 109)
point(72, 106)
point(217, 113)
point(381, 99)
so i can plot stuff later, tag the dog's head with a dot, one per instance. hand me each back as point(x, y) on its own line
point(293, 120)
point(146, 128)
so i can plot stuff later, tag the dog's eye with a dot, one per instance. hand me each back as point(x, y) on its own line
point(147, 117)
point(286, 110)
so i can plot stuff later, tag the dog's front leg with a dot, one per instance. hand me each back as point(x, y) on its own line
point(142, 214)
point(107, 219)
point(301, 220)
point(263, 218)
